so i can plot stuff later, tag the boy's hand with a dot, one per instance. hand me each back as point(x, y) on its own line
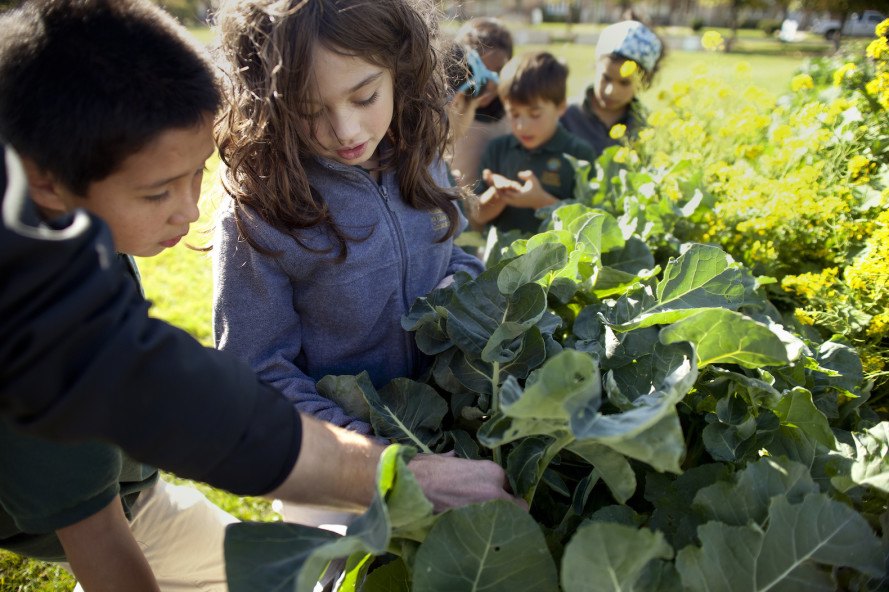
point(531, 194)
point(502, 185)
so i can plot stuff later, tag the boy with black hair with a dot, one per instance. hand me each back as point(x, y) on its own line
point(527, 170)
point(110, 105)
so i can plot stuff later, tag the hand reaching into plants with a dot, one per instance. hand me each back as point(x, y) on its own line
point(451, 482)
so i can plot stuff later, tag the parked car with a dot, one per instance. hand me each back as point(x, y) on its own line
point(857, 25)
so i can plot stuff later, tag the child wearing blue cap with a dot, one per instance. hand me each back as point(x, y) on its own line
point(627, 57)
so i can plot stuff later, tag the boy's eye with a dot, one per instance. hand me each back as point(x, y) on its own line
point(158, 196)
point(370, 100)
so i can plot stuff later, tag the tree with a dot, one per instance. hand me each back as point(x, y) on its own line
point(735, 7)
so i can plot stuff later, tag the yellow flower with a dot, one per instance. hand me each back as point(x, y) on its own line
point(712, 41)
point(859, 167)
point(842, 72)
point(646, 135)
point(879, 325)
point(617, 132)
point(882, 29)
point(628, 68)
point(662, 117)
point(781, 133)
point(877, 48)
point(800, 82)
point(743, 68)
point(804, 317)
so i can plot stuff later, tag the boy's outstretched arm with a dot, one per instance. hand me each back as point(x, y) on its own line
point(103, 554)
point(337, 467)
point(80, 358)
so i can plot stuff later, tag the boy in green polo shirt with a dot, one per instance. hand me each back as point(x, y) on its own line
point(527, 169)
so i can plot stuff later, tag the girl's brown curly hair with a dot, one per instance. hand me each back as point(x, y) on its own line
point(268, 49)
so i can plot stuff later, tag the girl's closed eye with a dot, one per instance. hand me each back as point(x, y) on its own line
point(370, 100)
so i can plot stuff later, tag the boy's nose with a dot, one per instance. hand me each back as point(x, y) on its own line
point(188, 210)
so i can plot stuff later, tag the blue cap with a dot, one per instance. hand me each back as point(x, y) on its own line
point(631, 40)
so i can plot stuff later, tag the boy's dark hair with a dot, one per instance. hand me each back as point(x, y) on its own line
point(484, 34)
point(532, 77)
point(84, 84)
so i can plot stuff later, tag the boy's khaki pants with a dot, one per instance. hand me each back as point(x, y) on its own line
point(181, 534)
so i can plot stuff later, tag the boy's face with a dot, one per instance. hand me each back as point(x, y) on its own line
point(151, 199)
point(534, 124)
point(612, 92)
point(354, 106)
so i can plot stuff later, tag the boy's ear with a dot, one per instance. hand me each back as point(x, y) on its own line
point(562, 107)
point(44, 189)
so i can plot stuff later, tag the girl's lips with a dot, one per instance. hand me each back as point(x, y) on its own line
point(353, 152)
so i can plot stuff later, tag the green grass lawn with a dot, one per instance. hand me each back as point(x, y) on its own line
point(179, 280)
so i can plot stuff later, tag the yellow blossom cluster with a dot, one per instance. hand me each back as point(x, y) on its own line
point(860, 169)
point(790, 185)
point(801, 82)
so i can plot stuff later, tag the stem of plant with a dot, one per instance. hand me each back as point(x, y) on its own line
point(495, 403)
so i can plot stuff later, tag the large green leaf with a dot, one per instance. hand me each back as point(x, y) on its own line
point(407, 411)
point(531, 266)
point(702, 277)
point(797, 410)
point(868, 461)
point(524, 308)
point(392, 577)
point(788, 555)
point(613, 468)
point(303, 553)
point(270, 555)
point(523, 467)
point(565, 384)
point(608, 557)
point(748, 499)
point(349, 393)
point(723, 336)
point(596, 232)
point(425, 318)
point(649, 429)
point(490, 546)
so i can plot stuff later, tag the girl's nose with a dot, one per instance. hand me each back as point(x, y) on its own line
point(345, 127)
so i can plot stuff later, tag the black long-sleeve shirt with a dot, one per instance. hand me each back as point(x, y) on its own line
point(80, 358)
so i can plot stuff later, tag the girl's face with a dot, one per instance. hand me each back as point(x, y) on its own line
point(612, 92)
point(353, 107)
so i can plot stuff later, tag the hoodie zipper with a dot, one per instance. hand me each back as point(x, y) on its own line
point(409, 341)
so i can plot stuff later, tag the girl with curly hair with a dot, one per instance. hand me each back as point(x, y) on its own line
point(341, 213)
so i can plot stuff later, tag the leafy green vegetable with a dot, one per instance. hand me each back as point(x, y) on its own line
point(667, 430)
